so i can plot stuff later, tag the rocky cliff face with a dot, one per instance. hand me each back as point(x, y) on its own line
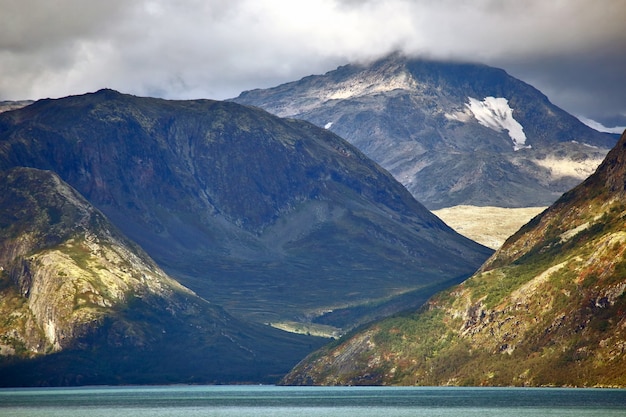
point(274, 219)
point(452, 133)
point(546, 309)
point(73, 290)
point(65, 262)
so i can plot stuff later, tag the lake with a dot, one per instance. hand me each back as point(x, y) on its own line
point(188, 401)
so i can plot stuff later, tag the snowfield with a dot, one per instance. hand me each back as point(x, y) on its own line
point(495, 113)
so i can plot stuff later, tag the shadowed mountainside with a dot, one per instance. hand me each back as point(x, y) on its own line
point(81, 304)
point(274, 219)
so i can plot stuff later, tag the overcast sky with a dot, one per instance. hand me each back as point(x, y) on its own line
point(572, 50)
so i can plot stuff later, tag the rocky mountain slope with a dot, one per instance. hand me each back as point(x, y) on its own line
point(452, 133)
point(276, 220)
point(547, 309)
point(81, 304)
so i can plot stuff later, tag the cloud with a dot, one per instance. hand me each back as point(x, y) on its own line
point(32, 26)
point(600, 127)
point(573, 50)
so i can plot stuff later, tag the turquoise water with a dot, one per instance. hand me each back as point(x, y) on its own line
point(309, 401)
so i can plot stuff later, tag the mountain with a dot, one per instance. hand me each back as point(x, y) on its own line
point(452, 133)
point(547, 309)
point(276, 220)
point(81, 304)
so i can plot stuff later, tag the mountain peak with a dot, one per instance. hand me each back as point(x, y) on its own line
point(379, 79)
point(67, 259)
point(613, 169)
point(451, 132)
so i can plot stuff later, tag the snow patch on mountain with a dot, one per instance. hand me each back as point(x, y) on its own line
point(495, 113)
point(460, 116)
point(600, 127)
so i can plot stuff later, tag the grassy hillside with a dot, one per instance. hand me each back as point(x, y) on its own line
point(547, 309)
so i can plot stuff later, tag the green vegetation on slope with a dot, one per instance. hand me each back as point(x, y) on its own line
point(80, 304)
point(274, 219)
point(548, 309)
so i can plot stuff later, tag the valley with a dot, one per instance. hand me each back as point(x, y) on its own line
point(489, 226)
point(247, 232)
point(547, 309)
point(255, 218)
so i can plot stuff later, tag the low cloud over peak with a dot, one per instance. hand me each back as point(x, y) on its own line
point(574, 51)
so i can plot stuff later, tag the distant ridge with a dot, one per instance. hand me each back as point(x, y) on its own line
point(452, 133)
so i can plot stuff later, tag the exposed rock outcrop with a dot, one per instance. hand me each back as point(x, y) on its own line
point(547, 309)
point(74, 291)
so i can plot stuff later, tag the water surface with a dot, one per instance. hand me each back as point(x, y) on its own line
point(310, 401)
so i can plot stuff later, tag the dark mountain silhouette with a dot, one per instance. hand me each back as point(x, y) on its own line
point(275, 220)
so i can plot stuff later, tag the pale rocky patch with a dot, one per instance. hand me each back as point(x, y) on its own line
point(489, 226)
point(561, 168)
